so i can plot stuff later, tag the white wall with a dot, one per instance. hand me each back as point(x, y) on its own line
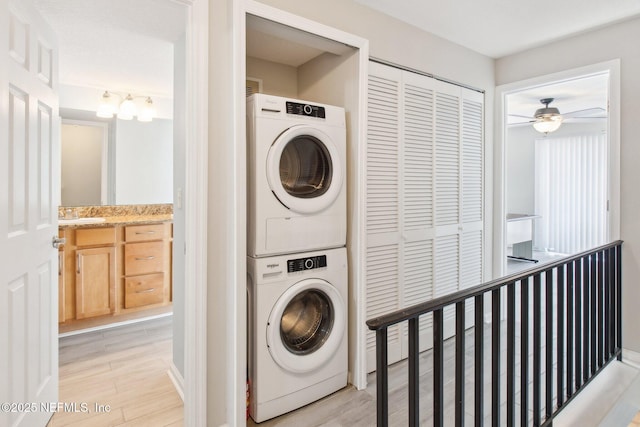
point(388, 40)
point(609, 43)
point(277, 79)
point(144, 162)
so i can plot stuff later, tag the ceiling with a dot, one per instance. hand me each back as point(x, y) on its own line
point(496, 28)
point(119, 45)
point(585, 97)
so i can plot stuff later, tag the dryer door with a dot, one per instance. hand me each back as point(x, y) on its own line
point(306, 326)
point(303, 169)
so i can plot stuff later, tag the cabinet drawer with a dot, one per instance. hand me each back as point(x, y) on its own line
point(95, 236)
point(142, 233)
point(143, 290)
point(142, 258)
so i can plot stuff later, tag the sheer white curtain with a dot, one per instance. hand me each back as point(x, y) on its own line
point(571, 193)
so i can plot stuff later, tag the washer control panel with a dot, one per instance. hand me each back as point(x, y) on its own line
point(305, 110)
point(309, 263)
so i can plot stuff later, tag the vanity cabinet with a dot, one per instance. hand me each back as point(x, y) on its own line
point(146, 265)
point(112, 271)
point(95, 282)
point(95, 276)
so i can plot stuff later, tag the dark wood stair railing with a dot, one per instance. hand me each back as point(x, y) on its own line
point(587, 290)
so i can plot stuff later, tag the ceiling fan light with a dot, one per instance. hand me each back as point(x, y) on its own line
point(127, 109)
point(548, 124)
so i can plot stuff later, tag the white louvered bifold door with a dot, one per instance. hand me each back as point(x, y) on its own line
point(424, 197)
point(417, 200)
point(472, 236)
point(447, 196)
point(382, 204)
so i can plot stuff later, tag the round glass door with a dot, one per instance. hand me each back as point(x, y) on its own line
point(304, 169)
point(306, 325)
point(306, 322)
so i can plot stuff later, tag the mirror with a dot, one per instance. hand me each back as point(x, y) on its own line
point(115, 162)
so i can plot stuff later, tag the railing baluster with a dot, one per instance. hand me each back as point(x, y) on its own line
point(600, 290)
point(570, 319)
point(607, 304)
point(593, 283)
point(548, 327)
point(438, 369)
point(586, 327)
point(537, 330)
point(382, 409)
point(524, 352)
point(479, 360)
point(495, 357)
point(578, 324)
point(511, 353)
point(619, 300)
point(414, 371)
point(460, 350)
point(560, 336)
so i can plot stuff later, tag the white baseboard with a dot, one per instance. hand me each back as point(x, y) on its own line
point(177, 380)
point(631, 357)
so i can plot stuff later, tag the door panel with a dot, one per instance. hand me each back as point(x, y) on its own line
point(28, 217)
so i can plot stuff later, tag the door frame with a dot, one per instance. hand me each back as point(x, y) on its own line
point(500, 126)
point(196, 174)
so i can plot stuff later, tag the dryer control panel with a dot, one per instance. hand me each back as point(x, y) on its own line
point(305, 110)
point(308, 263)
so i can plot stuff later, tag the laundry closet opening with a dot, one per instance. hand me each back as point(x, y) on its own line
point(302, 122)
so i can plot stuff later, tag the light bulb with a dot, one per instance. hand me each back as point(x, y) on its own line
point(127, 109)
point(107, 108)
point(148, 112)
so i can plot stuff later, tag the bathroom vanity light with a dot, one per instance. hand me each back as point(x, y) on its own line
point(125, 107)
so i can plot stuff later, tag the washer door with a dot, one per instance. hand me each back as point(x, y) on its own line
point(303, 169)
point(306, 326)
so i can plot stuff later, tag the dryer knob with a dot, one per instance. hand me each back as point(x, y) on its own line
point(308, 263)
point(307, 109)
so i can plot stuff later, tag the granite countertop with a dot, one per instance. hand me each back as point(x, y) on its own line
point(118, 215)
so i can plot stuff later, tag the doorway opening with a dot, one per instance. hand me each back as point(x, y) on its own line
point(560, 187)
point(144, 54)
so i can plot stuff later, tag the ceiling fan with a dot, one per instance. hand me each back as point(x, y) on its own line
point(548, 119)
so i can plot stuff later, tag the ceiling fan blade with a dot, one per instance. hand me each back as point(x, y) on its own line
point(518, 115)
point(587, 118)
point(585, 112)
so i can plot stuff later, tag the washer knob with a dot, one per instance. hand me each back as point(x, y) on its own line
point(308, 263)
point(307, 109)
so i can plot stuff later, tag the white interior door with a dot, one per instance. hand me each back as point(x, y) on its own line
point(29, 168)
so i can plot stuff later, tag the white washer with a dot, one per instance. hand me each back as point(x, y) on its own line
point(296, 176)
point(297, 321)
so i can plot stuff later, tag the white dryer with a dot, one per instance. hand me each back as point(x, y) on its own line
point(297, 321)
point(296, 176)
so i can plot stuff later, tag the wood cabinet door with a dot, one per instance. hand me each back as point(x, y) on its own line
point(95, 282)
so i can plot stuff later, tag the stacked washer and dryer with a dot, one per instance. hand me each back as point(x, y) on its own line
point(297, 262)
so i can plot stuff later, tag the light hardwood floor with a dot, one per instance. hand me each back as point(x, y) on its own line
point(125, 368)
